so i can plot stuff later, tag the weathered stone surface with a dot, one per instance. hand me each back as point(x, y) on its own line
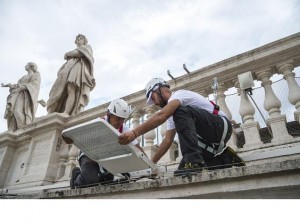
point(270, 180)
point(21, 104)
point(70, 92)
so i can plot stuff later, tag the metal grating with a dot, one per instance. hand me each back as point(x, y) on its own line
point(96, 140)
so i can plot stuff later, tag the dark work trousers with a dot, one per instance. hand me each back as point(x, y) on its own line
point(89, 172)
point(189, 122)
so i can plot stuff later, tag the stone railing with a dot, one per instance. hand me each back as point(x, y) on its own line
point(36, 156)
point(280, 57)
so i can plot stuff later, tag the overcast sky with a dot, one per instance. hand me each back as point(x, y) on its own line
point(133, 40)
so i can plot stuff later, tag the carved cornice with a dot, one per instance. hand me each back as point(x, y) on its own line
point(12, 139)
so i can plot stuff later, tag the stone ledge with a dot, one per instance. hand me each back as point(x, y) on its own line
point(269, 180)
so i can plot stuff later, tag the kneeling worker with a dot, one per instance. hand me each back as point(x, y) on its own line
point(90, 173)
point(202, 129)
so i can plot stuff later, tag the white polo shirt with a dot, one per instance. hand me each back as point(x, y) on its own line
point(189, 98)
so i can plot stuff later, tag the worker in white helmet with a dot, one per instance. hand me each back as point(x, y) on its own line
point(202, 128)
point(90, 173)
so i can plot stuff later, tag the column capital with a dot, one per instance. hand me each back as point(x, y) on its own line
point(137, 112)
point(236, 83)
point(222, 88)
point(263, 73)
point(285, 67)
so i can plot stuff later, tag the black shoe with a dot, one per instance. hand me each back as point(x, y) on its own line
point(105, 177)
point(190, 168)
point(236, 160)
point(75, 172)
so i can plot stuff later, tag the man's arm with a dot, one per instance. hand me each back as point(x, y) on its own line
point(164, 146)
point(156, 120)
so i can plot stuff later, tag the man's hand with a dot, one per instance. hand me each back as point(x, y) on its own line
point(126, 138)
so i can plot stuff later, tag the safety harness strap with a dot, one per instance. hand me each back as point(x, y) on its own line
point(215, 148)
point(222, 144)
point(216, 108)
point(205, 146)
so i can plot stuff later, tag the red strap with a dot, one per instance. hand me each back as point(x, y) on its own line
point(216, 108)
point(121, 129)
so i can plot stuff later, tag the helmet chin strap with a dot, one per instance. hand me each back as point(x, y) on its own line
point(108, 116)
point(160, 95)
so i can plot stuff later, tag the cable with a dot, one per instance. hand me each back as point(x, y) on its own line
point(260, 113)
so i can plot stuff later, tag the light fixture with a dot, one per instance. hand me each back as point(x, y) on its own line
point(246, 81)
point(246, 84)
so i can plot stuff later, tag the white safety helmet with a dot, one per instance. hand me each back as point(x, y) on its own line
point(152, 85)
point(119, 108)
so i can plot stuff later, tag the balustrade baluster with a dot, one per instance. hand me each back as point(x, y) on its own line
point(150, 135)
point(250, 127)
point(272, 104)
point(294, 89)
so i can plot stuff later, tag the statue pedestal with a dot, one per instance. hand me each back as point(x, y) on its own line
point(29, 156)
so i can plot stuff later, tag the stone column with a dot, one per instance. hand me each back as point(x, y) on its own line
point(62, 150)
point(232, 142)
point(250, 127)
point(272, 104)
point(286, 69)
point(73, 154)
point(173, 149)
point(136, 116)
point(222, 102)
point(150, 135)
point(167, 157)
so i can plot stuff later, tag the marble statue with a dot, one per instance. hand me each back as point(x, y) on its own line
point(22, 103)
point(75, 79)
